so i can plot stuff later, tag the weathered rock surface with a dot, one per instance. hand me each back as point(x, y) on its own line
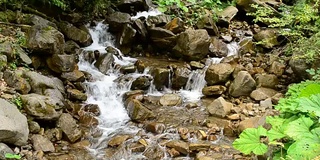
point(170, 100)
point(45, 40)
point(155, 127)
point(39, 83)
point(218, 48)
point(3, 62)
point(62, 63)
point(268, 38)
point(75, 94)
point(138, 112)
point(154, 152)
point(242, 85)
point(219, 107)
point(4, 149)
point(175, 26)
point(192, 44)
point(118, 140)
point(180, 77)
point(227, 14)
point(160, 77)
point(16, 80)
point(117, 19)
point(39, 106)
point(74, 76)
point(41, 143)
point(252, 123)
point(75, 34)
point(218, 73)
point(69, 127)
point(104, 62)
point(267, 80)
point(262, 93)
point(141, 83)
point(14, 126)
point(179, 145)
point(213, 90)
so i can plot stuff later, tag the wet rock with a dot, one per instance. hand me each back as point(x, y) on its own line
point(277, 68)
point(246, 46)
point(104, 62)
point(206, 22)
point(56, 97)
point(162, 38)
point(75, 34)
point(54, 134)
point(219, 107)
point(180, 77)
point(158, 32)
point(213, 90)
point(71, 47)
point(133, 6)
point(196, 147)
point(267, 80)
point(118, 140)
point(87, 119)
point(154, 152)
point(141, 83)
point(138, 112)
point(160, 77)
point(218, 73)
point(14, 126)
point(126, 38)
point(74, 76)
point(268, 38)
point(223, 123)
point(69, 127)
point(192, 44)
point(92, 108)
point(128, 69)
point(175, 26)
point(40, 83)
point(196, 65)
point(262, 93)
point(159, 20)
point(34, 127)
point(62, 63)
point(3, 62)
point(218, 48)
point(242, 85)
point(155, 127)
point(173, 152)
point(76, 94)
point(179, 145)
point(4, 149)
point(227, 15)
point(170, 100)
point(16, 80)
point(116, 21)
point(45, 40)
point(41, 143)
point(141, 29)
point(252, 123)
point(136, 147)
point(39, 106)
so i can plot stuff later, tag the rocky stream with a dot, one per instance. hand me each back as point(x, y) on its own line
point(136, 87)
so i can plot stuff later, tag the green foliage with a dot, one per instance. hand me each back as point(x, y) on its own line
point(314, 73)
point(18, 102)
point(12, 156)
point(296, 130)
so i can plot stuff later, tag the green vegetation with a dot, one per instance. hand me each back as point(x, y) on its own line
point(12, 156)
point(18, 102)
point(192, 10)
point(295, 133)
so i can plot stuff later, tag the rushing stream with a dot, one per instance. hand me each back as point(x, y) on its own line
point(104, 91)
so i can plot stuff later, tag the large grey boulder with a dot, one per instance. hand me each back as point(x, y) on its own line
point(39, 83)
point(192, 44)
point(45, 40)
point(75, 34)
point(116, 21)
point(242, 85)
point(14, 126)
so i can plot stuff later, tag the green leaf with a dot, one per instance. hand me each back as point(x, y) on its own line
point(278, 126)
point(12, 156)
point(249, 141)
point(310, 105)
point(299, 128)
point(306, 148)
point(310, 90)
point(162, 9)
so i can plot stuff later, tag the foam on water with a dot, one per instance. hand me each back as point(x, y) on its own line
point(146, 14)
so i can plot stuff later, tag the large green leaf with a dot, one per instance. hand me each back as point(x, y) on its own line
point(310, 105)
point(249, 141)
point(278, 126)
point(307, 148)
point(299, 129)
point(310, 90)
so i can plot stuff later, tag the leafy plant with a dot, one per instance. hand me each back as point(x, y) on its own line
point(18, 102)
point(12, 156)
point(314, 73)
point(295, 132)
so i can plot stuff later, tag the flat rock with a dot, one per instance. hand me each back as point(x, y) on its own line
point(69, 127)
point(170, 100)
point(179, 145)
point(41, 143)
point(252, 123)
point(262, 93)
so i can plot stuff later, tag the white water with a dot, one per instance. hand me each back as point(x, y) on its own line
point(152, 12)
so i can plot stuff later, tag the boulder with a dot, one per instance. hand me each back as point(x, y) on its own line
point(206, 22)
point(159, 20)
point(160, 77)
point(227, 15)
point(196, 147)
point(71, 47)
point(219, 107)
point(218, 48)
point(141, 83)
point(118, 140)
point(126, 38)
point(141, 29)
point(138, 112)
point(242, 85)
point(31, 19)
point(69, 127)
point(41, 143)
point(246, 5)
point(62, 63)
point(40, 107)
point(4, 149)
point(267, 80)
point(253, 122)
point(75, 34)
point(179, 145)
point(246, 46)
point(262, 93)
point(14, 126)
point(268, 38)
point(180, 77)
point(192, 44)
point(175, 26)
point(277, 68)
point(162, 38)
point(3, 62)
point(218, 73)
point(34, 127)
point(196, 65)
point(14, 52)
point(104, 62)
point(16, 80)
point(74, 76)
point(155, 127)
point(7, 50)
point(116, 21)
point(56, 97)
point(39, 83)
point(45, 40)
point(132, 6)
point(75, 94)
point(216, 90)
point(170, 100)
